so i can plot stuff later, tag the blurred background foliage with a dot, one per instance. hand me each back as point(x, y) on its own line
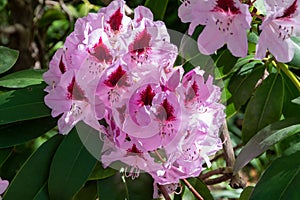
point(35, 29)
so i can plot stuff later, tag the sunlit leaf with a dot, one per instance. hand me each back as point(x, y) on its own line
point(8, 57)
point(24, 104)
point(22, 79)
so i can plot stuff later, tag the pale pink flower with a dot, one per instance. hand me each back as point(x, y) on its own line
point(226, 22)
point(3, 186)
point(281, 23)
point(73, 98)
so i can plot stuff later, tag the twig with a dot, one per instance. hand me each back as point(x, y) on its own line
point(212, 173)
point(192, 189)
point(164, 192)
point(217, 180)
point(236, 181)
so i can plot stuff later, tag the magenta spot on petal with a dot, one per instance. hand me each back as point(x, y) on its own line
point(290, 10)
point(140, 43)
point(226, 6)
point(115, 20)
point(115, 77)
point(101, 52)
point(192, 91)
point(169, 110)
point(146, 96)
point(134, 149)
point(74, 91)
point(62, 66)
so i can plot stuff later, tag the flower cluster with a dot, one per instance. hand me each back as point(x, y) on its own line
point(227, 21)
point(120, 70)
point(3, 186)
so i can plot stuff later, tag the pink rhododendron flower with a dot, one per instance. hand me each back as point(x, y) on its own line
point(3, 186)
point(226, 21)
point(281, 23)
point(120, 71)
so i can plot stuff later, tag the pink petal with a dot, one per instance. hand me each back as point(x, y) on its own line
point(3, 185)
point(210, 40)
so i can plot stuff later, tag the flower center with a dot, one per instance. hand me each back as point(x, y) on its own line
point(115, 77)
point(62, 66)
point(146, 96)
point(115, 20)
point(226, 6)
point(101, 52)
point(290, 10)
point(134, 149)
point(168, 112)
point(75, 92)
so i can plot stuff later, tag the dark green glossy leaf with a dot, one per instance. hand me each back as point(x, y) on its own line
point(8, 57)
point(264, 139)
point(70, 168)
point(158, 8)
point(112, 188)
point(245, 195)
point(22, 79)
point(100, 173)
point(23, 104)
point(88, 192)
point(242, 86)
point(291, 92)
point(20, 132)
point(280, 181)
point(201, 188)
point(139, 188)
point(225, 62)
point(43, 193)
point(33, 176)
point(265, 107)
point(4, 154)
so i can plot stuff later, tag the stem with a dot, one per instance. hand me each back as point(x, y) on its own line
point(212, 173)
point(217, 180)
point(164, 192)
point(290, 74)
point(192, 189)
point(236, 181)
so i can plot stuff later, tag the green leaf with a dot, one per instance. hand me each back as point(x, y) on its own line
point(20, 132)
point(88, 192)
point(265, 107)
point(4, 154)
point(8, 57)
point(158, 8)
point(225, 62)
point(22, 79)
point(201, 188)
point(50, 16)
point(245, 195)
point(43, 193)
point(33, 176)
point(296, 60)
point(119, 188)
point(291, 92)
point(280, 181)
point(100, 173)
point(70, 168)
point(2, 4)
point(242, 86)
point(139, 188)
point(24, 104)
point(265, 138)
